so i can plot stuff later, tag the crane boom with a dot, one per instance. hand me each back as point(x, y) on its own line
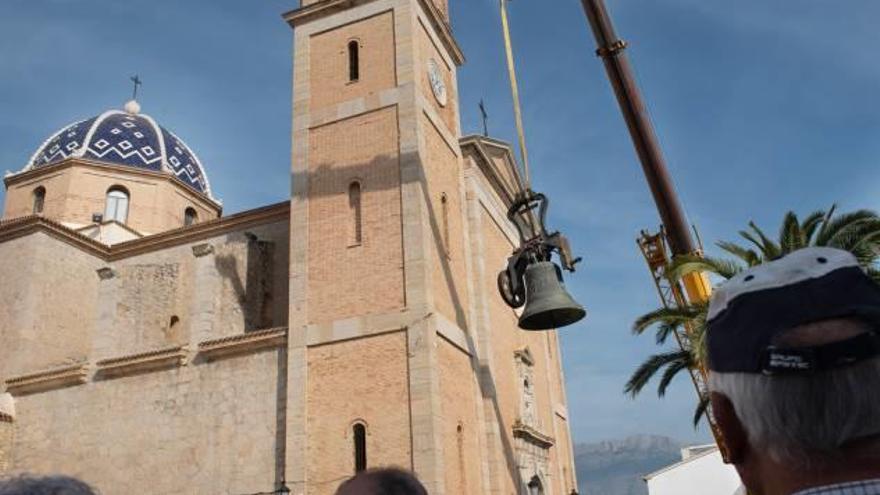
point(612, 51)
point(675, 231)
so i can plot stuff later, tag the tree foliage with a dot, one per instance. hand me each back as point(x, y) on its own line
point(857, 232)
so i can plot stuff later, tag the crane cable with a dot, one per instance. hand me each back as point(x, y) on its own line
point(526, 183)
point(514, 89)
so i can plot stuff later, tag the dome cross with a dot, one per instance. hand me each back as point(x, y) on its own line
point(137, 82)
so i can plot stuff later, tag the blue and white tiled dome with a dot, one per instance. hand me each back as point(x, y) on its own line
point(127, 138)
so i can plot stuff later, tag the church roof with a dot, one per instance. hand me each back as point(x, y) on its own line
point(127, 138)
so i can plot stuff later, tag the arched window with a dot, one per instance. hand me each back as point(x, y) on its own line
point(354, 69)
point(359, 434)
point(355, 213)
point(535, 486)
point(117, 205)
point(190, 216)
point(444, 206)
point(459, 440)
point(39, 199)
point(173, 332)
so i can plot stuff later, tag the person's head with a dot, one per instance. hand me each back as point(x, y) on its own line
point(794, 370)
point(386, 481)
point(48, 485)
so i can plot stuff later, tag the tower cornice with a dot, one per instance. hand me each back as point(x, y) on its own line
point(328, 7)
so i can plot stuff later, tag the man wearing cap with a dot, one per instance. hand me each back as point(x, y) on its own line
point(794, 375)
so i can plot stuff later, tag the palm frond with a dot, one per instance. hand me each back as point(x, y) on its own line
point(749, 256)
point(665, 316)
point(745, 234)
point(664, 330)
point(825, 221)
point(702, 409)
point(770, 249)
point(862, 234)
point(834, 225)
point(689, 263)
point(811, 224)
point(650, 367)
point(672, 370)
point(791, 237)
point(697, 338)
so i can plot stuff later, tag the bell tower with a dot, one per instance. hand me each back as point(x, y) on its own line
point(380, 370)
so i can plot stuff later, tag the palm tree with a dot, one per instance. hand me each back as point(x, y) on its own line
point(857, 232)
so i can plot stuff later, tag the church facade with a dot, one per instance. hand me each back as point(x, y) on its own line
point(150, 344)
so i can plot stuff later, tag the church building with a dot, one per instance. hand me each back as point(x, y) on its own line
point(151, 344)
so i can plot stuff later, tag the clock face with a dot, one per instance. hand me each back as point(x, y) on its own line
point(437, 84)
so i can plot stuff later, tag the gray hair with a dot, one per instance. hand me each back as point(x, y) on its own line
point(806, 419)
point(49, 485)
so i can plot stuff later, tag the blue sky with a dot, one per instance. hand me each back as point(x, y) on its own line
point(761, 106)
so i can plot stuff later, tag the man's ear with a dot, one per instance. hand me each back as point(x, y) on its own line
point(732, 432)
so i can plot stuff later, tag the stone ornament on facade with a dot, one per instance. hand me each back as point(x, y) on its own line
point(524, 368)
point(200, 250)
point(243, 343)
point(48, 379)
point(169, 357)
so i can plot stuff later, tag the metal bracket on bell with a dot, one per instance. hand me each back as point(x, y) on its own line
point(531, 278)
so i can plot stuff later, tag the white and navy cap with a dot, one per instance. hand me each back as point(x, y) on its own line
point(805, 286)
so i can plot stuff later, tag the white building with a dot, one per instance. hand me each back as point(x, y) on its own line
point(700, 472)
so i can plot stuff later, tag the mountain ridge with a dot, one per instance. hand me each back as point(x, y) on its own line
point(616, 466)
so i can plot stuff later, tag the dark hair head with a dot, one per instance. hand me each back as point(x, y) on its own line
point(386, 481)
point(48, 485)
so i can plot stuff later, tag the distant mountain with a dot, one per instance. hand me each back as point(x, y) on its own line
point(616, 467)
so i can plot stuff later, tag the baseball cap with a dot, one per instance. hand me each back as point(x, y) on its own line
point(808, 285)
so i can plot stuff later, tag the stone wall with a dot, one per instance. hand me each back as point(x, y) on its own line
point(48, 291)
point(329, 61)
point(461, 428)
point(203, 428)
point(347, 278)
point(206, 289)
point(504, 338)
point(168, 427)
point(148, 298)
point(363, 380)
point(7, 435)
point(20, 196)
point(447, 250)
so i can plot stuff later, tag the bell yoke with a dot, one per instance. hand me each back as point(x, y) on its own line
point(531, 277)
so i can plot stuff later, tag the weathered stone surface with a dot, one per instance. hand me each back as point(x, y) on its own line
point(7, 432)
point(198, 429)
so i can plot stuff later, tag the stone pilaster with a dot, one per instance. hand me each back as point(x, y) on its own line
point(7, 432)
point(207, 285)
point(295, 450)
point(104, 334)
point(427, 425)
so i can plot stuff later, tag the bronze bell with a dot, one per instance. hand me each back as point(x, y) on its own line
point(548, 304)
